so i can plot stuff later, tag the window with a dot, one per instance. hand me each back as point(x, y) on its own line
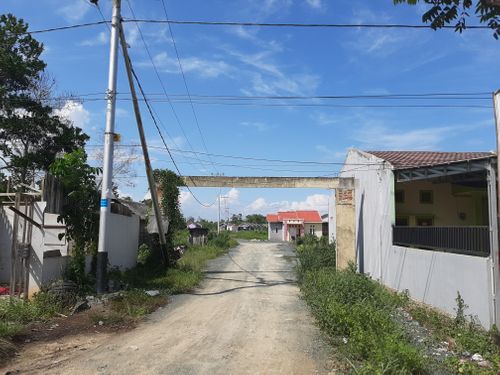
point(426, 197)
point(425, 221)
point(311, 229)
point(276, 229)
point(400, 196)
point(402, 221)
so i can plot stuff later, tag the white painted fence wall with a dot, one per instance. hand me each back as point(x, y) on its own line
point(123, 244)
point(42, 269)
point(430, 276)
point(123, 241)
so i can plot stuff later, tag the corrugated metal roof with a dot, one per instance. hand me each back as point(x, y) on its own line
point(415, 159)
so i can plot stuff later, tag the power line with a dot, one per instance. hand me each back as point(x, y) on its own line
point(185, 81)
point(246, 157)
point(176, 116)
point(252, 24)
point(161, 135)
point(301, 25)
point(61, 28)
point(484, 95)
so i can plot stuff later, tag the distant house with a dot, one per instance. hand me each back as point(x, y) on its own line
point(290, 225)
point(232, 227)
point(426, 222)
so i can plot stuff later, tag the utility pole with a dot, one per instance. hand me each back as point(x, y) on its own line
point(218, 220)
point(496, 108)
point(495, 257)
point(107, 173)
point(147, 162)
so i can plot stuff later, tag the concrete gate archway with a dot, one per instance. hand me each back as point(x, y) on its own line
point(345, 212)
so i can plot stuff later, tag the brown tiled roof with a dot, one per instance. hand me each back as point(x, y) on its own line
point(415, 159)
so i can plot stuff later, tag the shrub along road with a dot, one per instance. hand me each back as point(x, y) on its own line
point(245, 318)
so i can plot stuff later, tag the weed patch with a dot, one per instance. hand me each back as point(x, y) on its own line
point(356, 312)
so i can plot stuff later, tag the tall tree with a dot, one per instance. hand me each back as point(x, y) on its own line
point(456, 12)
point(30, 134)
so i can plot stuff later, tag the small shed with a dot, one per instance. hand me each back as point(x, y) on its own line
point(197, 234)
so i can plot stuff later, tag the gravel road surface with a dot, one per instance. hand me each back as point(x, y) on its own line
point(245, 318)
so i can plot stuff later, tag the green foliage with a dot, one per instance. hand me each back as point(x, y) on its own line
point(135, 303)
point(169, 183)
point(223, 241)
point(356, 312)
point(462, 330)
point(315, 254)
point(446, 12)
point(256, 219)
point(81, 209)
point(30, 134)
point(14, 312)
point(143, 254)
point(184, 276)
point(181, 237)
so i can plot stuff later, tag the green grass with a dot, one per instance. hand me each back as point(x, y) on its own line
point(250, 235)
point(355, 312)
point(185, 275)
point(16, 313)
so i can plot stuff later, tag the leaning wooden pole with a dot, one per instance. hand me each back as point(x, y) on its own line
point(147, 162)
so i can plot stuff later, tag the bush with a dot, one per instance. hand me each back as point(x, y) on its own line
point(223, 241)
point(15, 312)
point(314, 254)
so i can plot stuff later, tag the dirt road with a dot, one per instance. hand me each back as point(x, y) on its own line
point(246, 318)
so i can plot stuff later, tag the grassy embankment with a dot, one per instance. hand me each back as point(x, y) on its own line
point(358, 315)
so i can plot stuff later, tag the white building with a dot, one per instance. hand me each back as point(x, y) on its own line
point(426, 222)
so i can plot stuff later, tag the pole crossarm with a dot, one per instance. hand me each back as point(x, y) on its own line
point(270, 182)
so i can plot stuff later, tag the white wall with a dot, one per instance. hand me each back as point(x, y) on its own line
point(318, 229)
point(123, 241)
point(430, 276)
point(41, 270)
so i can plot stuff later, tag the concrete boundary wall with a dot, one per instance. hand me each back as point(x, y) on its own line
point(432, 277)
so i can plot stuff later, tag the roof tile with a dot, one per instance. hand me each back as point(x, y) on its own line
point(416, 159)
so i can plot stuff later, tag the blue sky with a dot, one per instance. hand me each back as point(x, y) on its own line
point(272, 62)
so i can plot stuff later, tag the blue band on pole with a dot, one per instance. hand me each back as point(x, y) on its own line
point(104, 202)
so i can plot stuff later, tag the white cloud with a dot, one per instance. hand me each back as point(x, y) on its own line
point(185, 197)
point(233, 196)
point(259, 126)
point(74, 112)
point(202, 67)
point(269, 79)
point(380, 137)
point(74, 11)
point(258, 205)
point(329, 154)
point(99, 40)
point(132, 35)
point(311, 202)
point(316, 4)
point(376, 42)
point(322, 118)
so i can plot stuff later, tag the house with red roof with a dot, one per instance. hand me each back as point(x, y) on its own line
point(426, 222)
point(290, 225)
